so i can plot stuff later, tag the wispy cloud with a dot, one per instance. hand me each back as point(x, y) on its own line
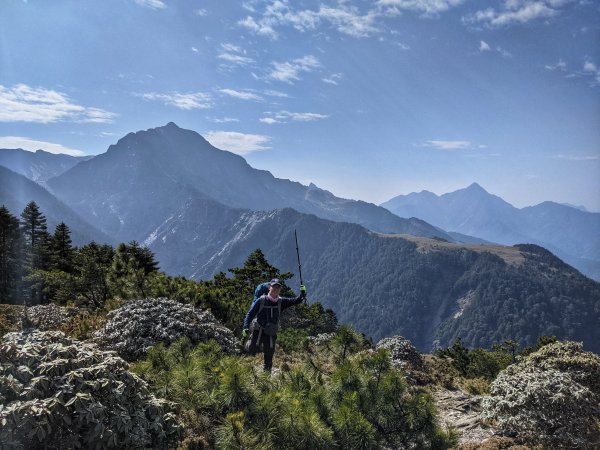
point(242, 95)
point(590, 68)
point(289, 71)
point(239, 143)
point(23, 103)
point(449, 145)
point(560, 65)
point(517, 12)
point(427, 7)
point(576, 157)
point(234, 55)
point(33, 145)
point(223, 119)
point(261, 29)
point(285, 116)
point(333, 79)
point(191, 100)
point(154, 4)
point(272, 93)
point(201, 12)
point(484, 46)
point(345, 18)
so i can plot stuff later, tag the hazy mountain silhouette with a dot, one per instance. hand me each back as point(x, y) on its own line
point(38, 166)
point(572, 234)
point(134, 186)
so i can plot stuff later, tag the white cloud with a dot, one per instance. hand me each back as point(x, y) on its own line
point(239, 143)
point(290, 70)
point(272, 93)
point(589, 66)
point(192, 100)
point(33, 145)
point(333, 79)
point(194, 49)
point(201, 12)
point(234, 54)
point(260, 29)
point(268, 120)
point(154, 4)
point(518, 12)
point(344, 18)
point(484, 46)
point(23, 103)
point(223, 120)
point(242, 95)
point(577, 157)
point(560, 65)
point(449, 145)
point(284, 116)
point(424, 6)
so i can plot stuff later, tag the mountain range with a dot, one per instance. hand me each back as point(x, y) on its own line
point(202, 210)
point(130, 190)
point(570, 233)
point(38, 166)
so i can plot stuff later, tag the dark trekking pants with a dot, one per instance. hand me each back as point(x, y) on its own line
point(268, 347)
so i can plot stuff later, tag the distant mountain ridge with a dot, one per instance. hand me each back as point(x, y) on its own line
point(38, 166)
point(572, 234)
point(125, 189)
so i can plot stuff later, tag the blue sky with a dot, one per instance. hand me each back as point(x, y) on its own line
point(366, 98)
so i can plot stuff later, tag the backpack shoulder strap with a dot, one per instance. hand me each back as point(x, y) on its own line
point(261, 305)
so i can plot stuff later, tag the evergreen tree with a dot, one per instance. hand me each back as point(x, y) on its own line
point(61, 249)
point(35, 238)
point(131, 269)
point(92, 264)
point(10, 257)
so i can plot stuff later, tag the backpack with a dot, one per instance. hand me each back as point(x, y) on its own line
point(261, 289)
point(271, 328)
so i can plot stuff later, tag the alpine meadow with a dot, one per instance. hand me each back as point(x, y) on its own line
point(323, 224)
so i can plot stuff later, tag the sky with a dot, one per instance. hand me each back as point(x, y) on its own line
point(368, 99)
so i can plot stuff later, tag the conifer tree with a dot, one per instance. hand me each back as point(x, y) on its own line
point(131, 269)
point(35, 238)
point(61, 249)
point(92, 264)
point(10, 257)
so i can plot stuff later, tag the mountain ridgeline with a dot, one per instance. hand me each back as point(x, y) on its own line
point(135, 185)
point(381, 273)
point(570, 233)
point(38, 166)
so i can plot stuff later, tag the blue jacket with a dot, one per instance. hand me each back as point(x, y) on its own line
point(269, 314)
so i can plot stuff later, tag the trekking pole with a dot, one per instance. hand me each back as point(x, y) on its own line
point(299, 265)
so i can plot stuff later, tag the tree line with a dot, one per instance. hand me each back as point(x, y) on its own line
point(38, 267)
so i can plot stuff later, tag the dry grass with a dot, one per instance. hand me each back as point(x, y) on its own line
point(510, 255)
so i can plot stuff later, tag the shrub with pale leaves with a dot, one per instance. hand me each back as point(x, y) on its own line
point(141, 324)
point(56, 392)
point(551, 397)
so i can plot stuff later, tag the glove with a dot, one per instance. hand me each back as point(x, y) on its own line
point(302, 290)
point(245, 332)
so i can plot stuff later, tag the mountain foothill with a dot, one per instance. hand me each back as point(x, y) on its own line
point(433, 269)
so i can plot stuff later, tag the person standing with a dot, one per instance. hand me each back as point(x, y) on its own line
point(267, 310)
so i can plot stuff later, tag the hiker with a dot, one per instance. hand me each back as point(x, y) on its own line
point(267, 309)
